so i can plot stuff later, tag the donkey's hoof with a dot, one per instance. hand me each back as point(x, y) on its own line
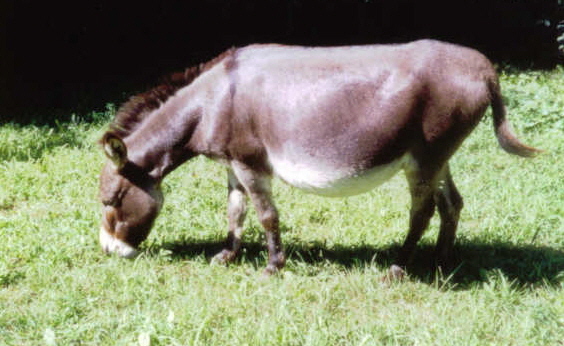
point(271, 270)
point(224, 257)
point(395, 273)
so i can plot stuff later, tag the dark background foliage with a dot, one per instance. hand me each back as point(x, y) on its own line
point(59, 57)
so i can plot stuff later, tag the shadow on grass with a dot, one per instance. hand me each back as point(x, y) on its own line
point(525, 265)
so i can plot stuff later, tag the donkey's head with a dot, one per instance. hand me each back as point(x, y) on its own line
point(131, 197)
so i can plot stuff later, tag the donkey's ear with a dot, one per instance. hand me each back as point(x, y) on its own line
point(115, 149)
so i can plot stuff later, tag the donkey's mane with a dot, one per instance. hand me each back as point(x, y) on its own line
point(135, 110)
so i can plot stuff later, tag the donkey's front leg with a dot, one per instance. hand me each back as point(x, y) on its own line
point(236, 212)
point(258, 186)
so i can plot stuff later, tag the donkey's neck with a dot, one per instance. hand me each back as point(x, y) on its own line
point(189, 123)
point(161, 143)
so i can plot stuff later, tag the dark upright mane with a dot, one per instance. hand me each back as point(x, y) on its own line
point(132, 113)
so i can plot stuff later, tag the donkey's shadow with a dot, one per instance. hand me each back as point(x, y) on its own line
point(521, 264)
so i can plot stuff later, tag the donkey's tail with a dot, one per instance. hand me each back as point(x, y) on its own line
point(505, 136)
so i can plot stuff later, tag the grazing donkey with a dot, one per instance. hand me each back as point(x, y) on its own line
point(331, 121)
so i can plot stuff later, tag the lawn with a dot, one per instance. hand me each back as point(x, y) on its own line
point(58, 288)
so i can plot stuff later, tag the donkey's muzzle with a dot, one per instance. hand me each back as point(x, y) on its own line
point(111, 245)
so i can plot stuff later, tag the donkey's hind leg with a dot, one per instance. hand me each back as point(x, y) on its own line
point(449, 203)
point(422, 186)
point(236, 212)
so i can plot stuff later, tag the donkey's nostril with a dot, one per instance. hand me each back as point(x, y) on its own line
point(112, 245)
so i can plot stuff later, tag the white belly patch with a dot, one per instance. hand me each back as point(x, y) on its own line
point(322, 179)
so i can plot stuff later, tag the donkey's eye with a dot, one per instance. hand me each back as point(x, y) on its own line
point(112, 202)
point(113, 199)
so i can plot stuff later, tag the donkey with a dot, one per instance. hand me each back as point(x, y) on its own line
point(334, 121)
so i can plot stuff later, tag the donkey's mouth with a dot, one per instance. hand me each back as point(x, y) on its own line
point(111, 245)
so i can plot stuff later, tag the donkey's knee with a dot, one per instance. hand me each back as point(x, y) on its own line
point(449, 203)
point(236, 213)
point(448, 199)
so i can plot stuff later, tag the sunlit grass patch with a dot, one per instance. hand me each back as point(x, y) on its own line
point(57, 287)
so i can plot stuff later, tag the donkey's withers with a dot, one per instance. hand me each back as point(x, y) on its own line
point(332, 121)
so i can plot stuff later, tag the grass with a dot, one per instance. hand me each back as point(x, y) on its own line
point(57, 288)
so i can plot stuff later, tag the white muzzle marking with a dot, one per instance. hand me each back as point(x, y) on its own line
point(112, 245)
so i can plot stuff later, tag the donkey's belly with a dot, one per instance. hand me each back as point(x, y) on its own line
point(326, 180)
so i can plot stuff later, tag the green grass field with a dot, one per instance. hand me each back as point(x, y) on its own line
point(58, 288)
